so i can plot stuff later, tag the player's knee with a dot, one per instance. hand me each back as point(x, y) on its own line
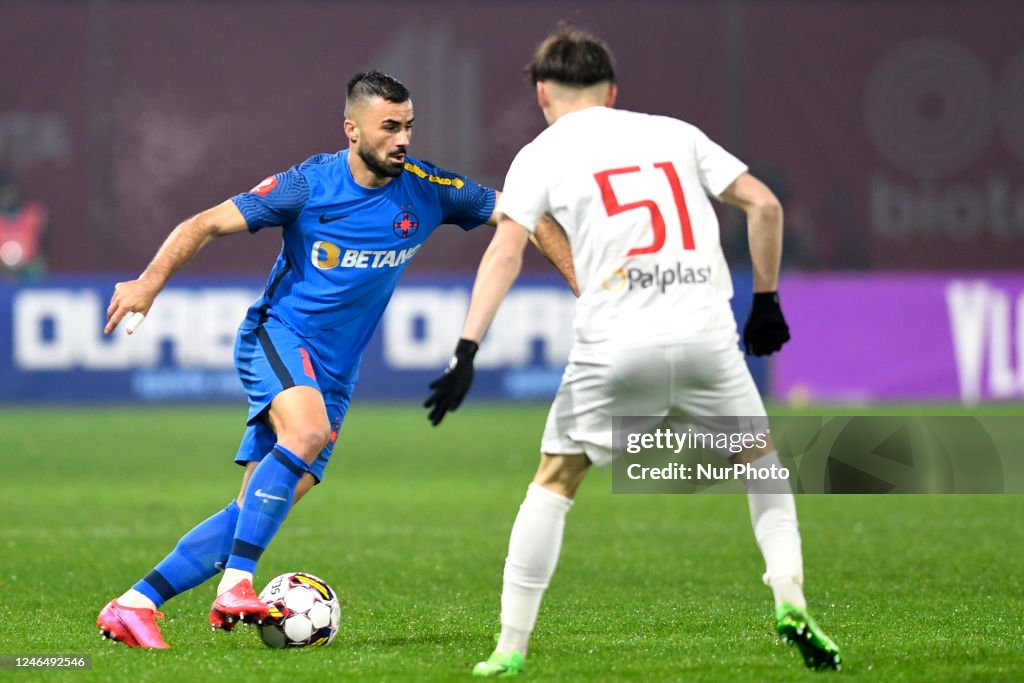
point(306, 440)
point(562, 474)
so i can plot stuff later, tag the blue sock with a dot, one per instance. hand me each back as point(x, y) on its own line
point(194, 559)
point(266, 503)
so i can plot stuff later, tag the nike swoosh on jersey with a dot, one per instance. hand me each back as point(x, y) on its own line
point(325, 218)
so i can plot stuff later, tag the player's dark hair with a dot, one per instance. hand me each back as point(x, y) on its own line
point(573, 57)
point(369, 84)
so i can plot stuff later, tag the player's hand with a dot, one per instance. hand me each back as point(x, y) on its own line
point(766, 329)
point(135, 296)
point(451, 387)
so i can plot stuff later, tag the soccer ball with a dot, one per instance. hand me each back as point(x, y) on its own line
point(304, 611)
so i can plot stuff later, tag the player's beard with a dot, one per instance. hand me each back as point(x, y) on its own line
point(382, 168)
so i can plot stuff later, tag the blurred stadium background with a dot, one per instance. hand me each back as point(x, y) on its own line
point(893, 132)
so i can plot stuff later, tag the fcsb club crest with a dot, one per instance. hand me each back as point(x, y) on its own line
point(405, 224)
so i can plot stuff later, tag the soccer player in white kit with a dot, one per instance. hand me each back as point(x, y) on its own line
point(654, 332)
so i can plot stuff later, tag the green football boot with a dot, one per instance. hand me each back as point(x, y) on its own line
point(796, 626)
point(501, 665)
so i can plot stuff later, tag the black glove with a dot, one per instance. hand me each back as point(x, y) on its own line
point(766, 329)
point(451, 387)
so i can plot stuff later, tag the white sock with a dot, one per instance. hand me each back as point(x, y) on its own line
point(231, 578)
point(133, 598)
point(773, 516)
point(533, 550)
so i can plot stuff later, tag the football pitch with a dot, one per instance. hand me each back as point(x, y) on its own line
point(411, 527)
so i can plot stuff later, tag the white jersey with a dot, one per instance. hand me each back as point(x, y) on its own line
point(631, 191)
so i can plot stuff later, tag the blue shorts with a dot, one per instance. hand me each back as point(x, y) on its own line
point(271, 358)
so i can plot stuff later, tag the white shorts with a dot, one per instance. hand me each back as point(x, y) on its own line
point(691, 378)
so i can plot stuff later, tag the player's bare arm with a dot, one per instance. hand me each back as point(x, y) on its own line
point(549, 239)
point(499, 268)
point(764, 228)
point(191, 235)
point(765, 330)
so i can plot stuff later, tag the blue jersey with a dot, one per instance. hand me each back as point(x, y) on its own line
point(345, 246)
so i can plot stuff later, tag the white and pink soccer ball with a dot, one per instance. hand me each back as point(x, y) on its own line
point(304, 611)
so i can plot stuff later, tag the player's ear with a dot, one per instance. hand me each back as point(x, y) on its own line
point(351, 131)
point(542, 95)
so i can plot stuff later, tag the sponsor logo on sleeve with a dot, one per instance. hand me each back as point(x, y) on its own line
point(265, 187)
point(455, 181)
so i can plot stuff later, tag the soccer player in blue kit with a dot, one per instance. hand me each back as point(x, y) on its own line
point(351, 223)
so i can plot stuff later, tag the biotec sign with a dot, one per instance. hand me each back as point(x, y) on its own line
point(894, 337)
point(933, 108)
point(52, 347)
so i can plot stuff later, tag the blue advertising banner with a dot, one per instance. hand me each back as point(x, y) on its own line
point(53, 350)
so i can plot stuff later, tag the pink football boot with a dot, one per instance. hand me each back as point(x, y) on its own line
point(240, 603)
point(133, 626)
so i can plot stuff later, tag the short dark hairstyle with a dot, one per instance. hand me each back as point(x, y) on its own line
point(369, 84)
point(573, 57)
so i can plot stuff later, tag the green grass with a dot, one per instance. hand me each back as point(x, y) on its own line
point(411, 527)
